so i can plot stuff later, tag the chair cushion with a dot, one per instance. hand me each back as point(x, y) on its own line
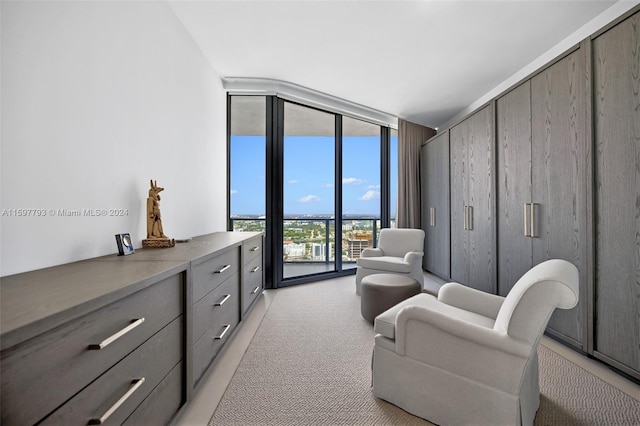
point(399, 241)
point(385, 263)
point(385, 323)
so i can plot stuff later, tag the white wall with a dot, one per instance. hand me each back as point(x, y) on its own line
point(616, 10)
point(98, 98)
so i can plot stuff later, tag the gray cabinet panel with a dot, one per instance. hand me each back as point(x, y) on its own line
point(252, 286)
point(616, 61)
point(481, 214)
point(152, 361)
point(212, 272)
point(208, 309)
point(459, 194)
point(558, 177)
point(435, 205)
point(513, 117)
point(252, 249)
point(206, 349)
point(163, 403)
point(472, 201)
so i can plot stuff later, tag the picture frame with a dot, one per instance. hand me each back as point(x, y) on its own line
point(125, 244)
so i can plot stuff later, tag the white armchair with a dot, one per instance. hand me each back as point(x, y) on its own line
point(469, 357)
point(399, 251)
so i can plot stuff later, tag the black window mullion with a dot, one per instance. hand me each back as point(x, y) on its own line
point(385, 177)
point(338, 194)
point(275, 130)
point(229, 221)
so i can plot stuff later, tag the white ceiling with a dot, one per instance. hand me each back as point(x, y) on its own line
point(423, 61)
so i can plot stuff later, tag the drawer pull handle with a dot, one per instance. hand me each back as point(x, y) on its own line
point(135, 385)
point(256, 248)
point(226, 328)
point(221, 270)
point(255, 290)
point(255, 269)
point(220, 303)
point(118, 335)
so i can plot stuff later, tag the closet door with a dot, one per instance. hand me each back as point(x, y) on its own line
point(435, 207)
point(513, 118)
point(472, 201)
point(459, 136)
point(616, 62)
point(558, 179)
point(481, 210)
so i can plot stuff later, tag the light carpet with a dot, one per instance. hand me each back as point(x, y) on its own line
point(310, 364)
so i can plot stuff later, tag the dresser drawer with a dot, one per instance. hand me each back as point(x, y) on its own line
point(211, 273)
point(253, 282)
point(212, 341)
point(252, 249)
point(163, 403)
point(208, 309)
point(118, 392)
point(42, 373)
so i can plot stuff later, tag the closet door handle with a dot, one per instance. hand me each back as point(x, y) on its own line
point(432, 216)
point(134, 387)
point(533, 220)
point(526, 219)
point(465, 218)
point(470, 218)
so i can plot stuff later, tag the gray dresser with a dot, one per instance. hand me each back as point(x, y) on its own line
point(122, 340)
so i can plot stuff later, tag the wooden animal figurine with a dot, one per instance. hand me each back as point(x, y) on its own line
point(155, 233)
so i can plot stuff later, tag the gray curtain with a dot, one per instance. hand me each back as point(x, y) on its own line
point(410, 137)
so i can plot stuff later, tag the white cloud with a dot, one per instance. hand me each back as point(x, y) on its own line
point(233, 192)
point(370, 195)
point(293, 181)
point(352, 181)
point(309, 198)
point(373, 187)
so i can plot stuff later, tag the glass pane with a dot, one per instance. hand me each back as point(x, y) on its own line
point(393, 175)
point(308, 193)
point(247, 163)
point(360, 187)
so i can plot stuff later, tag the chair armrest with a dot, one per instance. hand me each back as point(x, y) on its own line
point(371, 252)
point(447, 325)
point(413, 256)
point(465, 349)
point(470, 299)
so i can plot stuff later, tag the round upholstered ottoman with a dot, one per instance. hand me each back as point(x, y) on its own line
point(380, 292)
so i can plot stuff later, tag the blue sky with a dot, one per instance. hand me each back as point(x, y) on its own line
point(309, 175)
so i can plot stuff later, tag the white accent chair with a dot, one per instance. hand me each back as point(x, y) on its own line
point(469, 357)
point(399, 251)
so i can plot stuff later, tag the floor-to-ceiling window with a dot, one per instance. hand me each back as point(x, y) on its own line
point(308, 226)
point(300, 173)
point(247, 163)
point(361, 186)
